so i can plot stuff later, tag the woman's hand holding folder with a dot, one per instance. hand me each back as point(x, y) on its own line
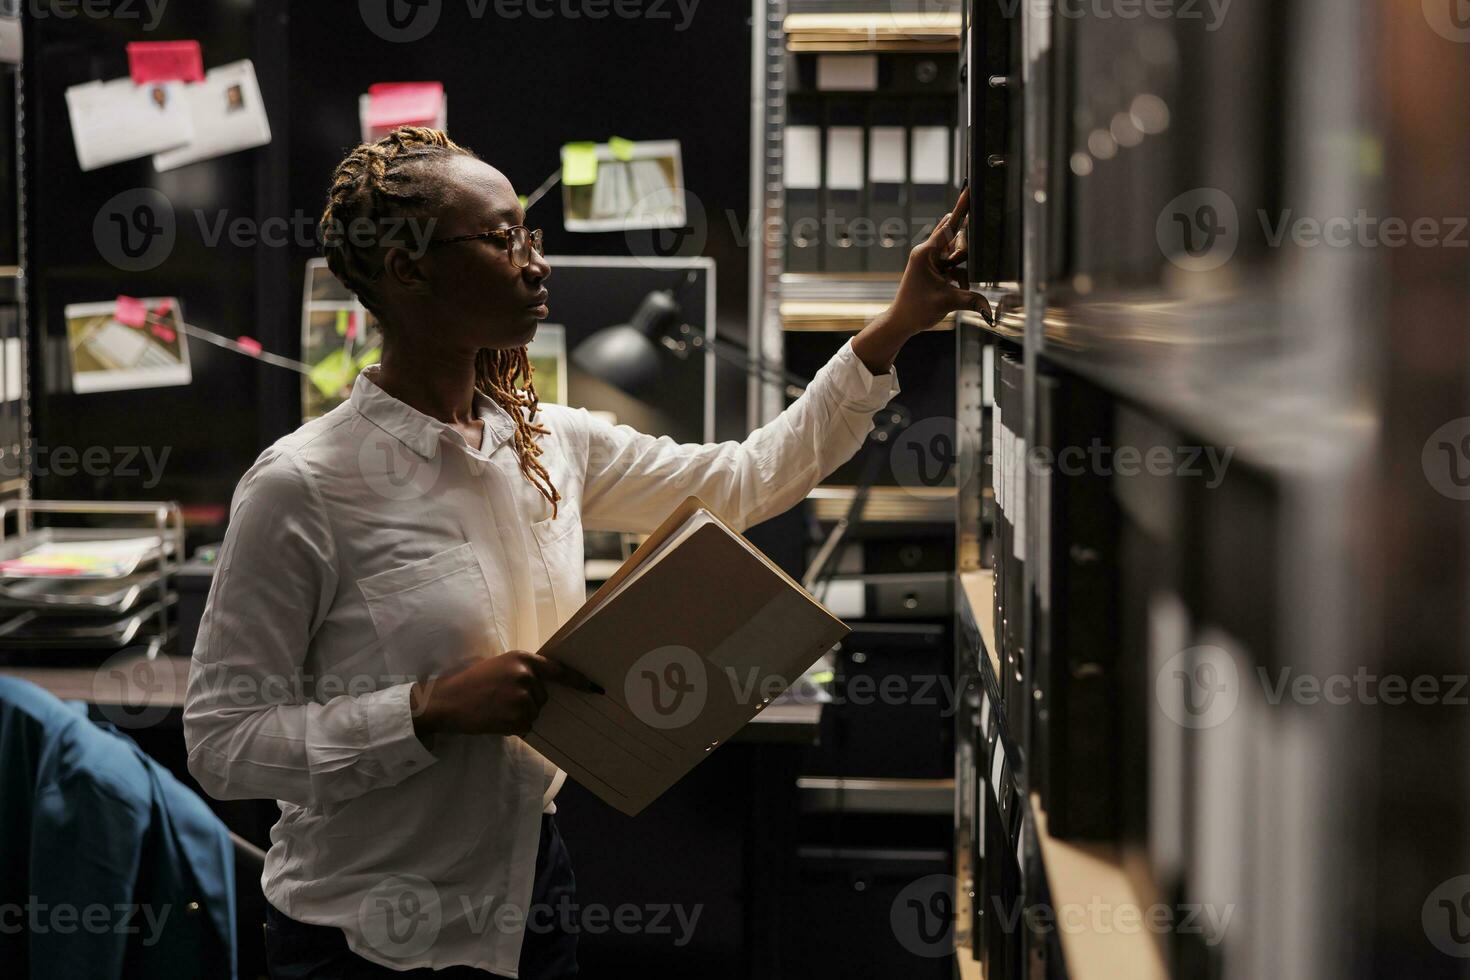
point(500, 695)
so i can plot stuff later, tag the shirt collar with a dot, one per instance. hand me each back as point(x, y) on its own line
point(418, 431)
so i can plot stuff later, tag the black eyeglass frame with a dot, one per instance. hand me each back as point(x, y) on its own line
point(535, 239)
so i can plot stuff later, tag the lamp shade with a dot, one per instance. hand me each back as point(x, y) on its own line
point(626, 355)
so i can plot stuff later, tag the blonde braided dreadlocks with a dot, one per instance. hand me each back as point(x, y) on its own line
point(380, 185)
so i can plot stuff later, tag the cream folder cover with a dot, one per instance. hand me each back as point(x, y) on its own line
point(691, 637)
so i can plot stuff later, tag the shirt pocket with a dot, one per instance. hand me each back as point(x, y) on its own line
point(560, 544)
point(432, 613)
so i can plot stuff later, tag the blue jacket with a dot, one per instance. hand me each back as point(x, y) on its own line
point(109, 866)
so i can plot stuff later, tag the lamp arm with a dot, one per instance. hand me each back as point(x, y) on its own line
point(739, 356)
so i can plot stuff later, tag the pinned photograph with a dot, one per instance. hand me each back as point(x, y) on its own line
point(119, 120)
point(227, 114)
point(125, 344)
point(621, 185)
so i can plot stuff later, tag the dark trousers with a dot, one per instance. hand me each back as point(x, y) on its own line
point(299, 951)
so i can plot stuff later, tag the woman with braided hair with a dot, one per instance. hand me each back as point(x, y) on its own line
point(365, 652)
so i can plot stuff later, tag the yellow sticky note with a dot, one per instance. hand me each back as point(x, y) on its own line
point(370, 356)
point(341, 323)
point(579, 164)
point(621, 148)
point(523, 199)
point(333, 373)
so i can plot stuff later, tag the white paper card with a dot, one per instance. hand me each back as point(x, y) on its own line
point(1018, 540)
point(847, 72)
point(227, 113)
point(13, 365)
point(887, 159)
point(845, 158)
point(11, 46)
point(803, 158)
point(931, 155)
point(117, 120)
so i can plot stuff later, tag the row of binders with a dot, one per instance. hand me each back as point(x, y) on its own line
point(865, 181)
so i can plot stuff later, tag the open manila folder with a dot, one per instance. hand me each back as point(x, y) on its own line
point(691, 637)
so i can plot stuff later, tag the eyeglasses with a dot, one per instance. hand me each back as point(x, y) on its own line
point(520, 241)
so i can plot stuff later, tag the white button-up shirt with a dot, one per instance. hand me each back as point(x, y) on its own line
point(374, 546)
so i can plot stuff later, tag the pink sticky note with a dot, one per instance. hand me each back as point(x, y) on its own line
point(163, 333)
point(163, 307)
point(165, 61)
point(251, 345)
point(352, 326)
point(403, 103)
point(130, 311)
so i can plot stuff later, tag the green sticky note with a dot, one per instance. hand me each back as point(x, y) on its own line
point(523, 199)
point(333, 373)
point(341, 323)
point(579, 164)
point(370, 356)
point(621, 148)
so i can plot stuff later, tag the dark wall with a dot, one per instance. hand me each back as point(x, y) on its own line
point(518, 89)
point(208, 428)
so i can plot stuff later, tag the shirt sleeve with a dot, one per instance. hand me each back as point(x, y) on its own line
point(634, 479)
point(251, 731)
